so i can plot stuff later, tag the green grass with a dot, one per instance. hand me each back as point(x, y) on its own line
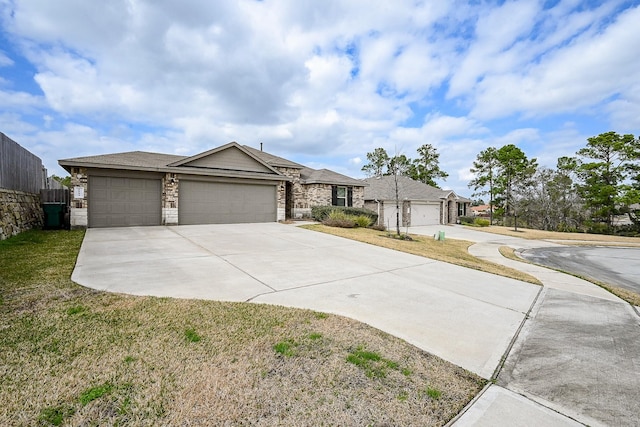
point(191, 335)
point(285, 348)
point(76, 356)
point(76, 309)
point(433, 393)
point(55, 415)
point(94, 393)
point(374, 365)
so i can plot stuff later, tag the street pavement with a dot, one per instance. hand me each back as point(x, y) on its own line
point(616, 266)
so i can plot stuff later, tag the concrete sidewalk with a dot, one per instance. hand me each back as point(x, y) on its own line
point(464, 316)
point(577, 359)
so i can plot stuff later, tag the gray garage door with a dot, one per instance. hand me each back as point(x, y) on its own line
point(225, 203)
point(122, 202)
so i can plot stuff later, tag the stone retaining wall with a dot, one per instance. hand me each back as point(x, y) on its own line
point(19, 212)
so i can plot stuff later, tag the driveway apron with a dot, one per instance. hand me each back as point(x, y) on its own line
point(464, 316)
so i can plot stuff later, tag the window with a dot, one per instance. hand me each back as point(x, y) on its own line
point(341, 196)
point(462, 209)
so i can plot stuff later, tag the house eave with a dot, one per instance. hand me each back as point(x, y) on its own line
point(179, 170)
point(342, 183)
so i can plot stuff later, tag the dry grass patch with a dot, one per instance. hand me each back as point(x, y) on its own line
point(576, 238)
point(74, 356)
point(453, 251)
point(510, 253)
point(631, 297)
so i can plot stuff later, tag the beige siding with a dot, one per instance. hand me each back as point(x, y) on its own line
point(230, 159)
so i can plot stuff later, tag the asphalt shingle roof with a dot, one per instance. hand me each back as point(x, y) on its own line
point(142, 160)
point(326, 176)
point(272, 160)
point(383, 188)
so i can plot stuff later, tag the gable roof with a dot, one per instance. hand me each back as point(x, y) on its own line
point(307, 175)
point(272, 160)
point(383, 188)
point(231, 156)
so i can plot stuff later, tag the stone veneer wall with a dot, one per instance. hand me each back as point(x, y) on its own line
point(170, 184)
point(320, 195)
point(19, 212)
point(298, 193)
point(453, 211)
point(79, 215)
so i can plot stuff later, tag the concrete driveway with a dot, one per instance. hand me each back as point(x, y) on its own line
point(464, 316)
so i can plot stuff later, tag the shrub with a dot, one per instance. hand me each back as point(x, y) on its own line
point(466, 219)
point(599, 228)
point(339, 218)
point(319, 213)
point(362, 221)
point(481, 222)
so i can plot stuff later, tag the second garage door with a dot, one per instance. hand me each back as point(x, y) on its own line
point(225, 203)
point(425, 214)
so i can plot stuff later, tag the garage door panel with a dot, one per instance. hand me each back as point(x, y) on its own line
point(226, 203)
point(121, 202)
point(425, 214)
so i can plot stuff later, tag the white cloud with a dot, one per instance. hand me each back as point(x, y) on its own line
point(5, 61)
point(326, 81)
point(18, 100)
point(590, 69)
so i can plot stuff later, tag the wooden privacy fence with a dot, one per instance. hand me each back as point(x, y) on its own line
point(60, 196)
point(20, 170)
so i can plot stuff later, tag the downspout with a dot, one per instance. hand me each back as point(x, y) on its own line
point(378, 202)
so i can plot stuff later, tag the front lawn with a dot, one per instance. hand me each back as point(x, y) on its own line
point(75, 356)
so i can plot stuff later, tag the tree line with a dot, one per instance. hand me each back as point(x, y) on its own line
point(425, 168)
point(584, 192)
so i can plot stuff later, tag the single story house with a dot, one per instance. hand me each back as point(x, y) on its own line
point(419, 203)
point(230, 184)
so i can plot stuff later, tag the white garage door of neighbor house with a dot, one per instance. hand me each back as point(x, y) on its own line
point(225, 203)
point(425, 214)
point(124, 202)
point(390, 214)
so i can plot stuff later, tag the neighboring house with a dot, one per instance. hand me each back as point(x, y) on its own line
point(481, 210)
point(626, 219)
point(230, 184)
point(419, 204)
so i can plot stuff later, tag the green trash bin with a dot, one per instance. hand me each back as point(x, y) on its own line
point(53, 215)
point(441, 236)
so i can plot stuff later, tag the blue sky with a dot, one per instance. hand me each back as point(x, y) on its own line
point(321, 83)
